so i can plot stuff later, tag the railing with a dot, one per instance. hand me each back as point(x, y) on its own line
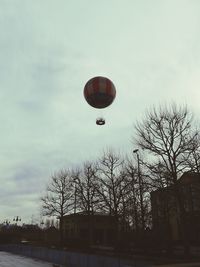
point(72, 259)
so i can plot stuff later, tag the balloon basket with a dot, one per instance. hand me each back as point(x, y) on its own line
point(100, 121)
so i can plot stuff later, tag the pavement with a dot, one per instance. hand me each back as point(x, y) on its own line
point(11, 260)
point(192, 264)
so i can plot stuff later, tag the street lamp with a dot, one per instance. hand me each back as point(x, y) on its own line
point(17, 219)
point(136, 151)
point(6, 222)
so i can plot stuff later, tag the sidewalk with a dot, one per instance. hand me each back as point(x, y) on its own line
point(11, 260)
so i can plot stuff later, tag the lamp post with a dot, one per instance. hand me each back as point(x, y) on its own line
point(75, 197)
point(17, 219)
point(6, 222)
point(135, 151)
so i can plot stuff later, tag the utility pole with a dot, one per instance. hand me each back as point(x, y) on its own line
point(75, 197)
point(140, 189)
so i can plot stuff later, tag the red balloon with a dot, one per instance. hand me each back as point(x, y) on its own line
point(99, 92)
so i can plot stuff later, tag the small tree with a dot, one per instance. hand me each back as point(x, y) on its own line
point(58, 198)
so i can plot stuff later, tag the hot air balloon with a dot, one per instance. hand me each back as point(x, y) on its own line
point(99, 93)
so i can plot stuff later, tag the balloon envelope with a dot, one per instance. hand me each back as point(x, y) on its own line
point(99, 92)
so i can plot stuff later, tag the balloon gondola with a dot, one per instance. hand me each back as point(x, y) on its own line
point(100, 121)
point(99, 93)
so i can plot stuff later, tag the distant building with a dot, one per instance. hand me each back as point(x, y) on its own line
point(165, 214)
point(51, 235)
point(93, 229)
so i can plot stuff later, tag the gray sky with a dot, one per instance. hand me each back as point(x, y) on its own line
point(49, 49)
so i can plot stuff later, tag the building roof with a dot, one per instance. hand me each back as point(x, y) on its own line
point(189, 177)
point(186, 178)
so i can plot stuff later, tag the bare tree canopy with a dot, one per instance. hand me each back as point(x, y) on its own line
point(192, 162)
point(86, 187)
point(58, 198)
point(172, 141)
point(110, 180)
point(167, 133)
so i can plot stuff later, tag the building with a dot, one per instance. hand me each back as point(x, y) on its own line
point(51, 235)
point(94, 229)
point(165, 212)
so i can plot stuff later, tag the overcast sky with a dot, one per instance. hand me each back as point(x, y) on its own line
point(49, 49)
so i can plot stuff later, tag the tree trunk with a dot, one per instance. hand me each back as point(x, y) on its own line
point(61, 231)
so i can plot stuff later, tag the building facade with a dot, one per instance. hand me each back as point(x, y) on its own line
point(93, 229)
point(165, 211)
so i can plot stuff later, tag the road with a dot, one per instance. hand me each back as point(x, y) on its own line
point(11, 260)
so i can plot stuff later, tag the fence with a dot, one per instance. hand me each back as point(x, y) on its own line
point(72, 259)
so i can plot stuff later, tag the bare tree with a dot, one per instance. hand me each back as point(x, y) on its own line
point(192, 162)
point(137, 194)
point(167, 134)
point(110, 187)
point(131, 194)
point(158, 175)
point(86, 187)
point(86, 198)
point(58, 198)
